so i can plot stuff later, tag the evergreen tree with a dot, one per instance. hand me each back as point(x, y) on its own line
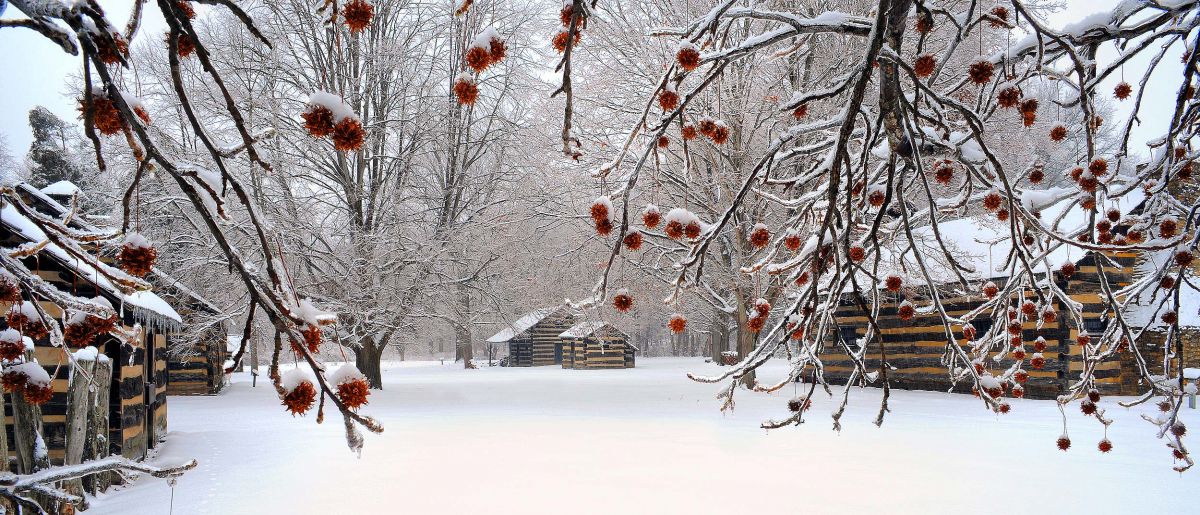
point(52, 149)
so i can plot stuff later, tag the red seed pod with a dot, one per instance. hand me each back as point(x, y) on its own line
point(1039, 345)
point(688, 57)
point(692, 230)
point(1178, 429)
point(466, 91)
point(565, 15)
point(759, 236)
point(668, 99)
point(981, 72)
point(990, 290)
point(651, 217)
point(968, 332)
point(1104, 445)
point(924, 23)
point(1018, 354)
point(876, 198)
point(1098, 167)
point(1028, 308)
point(633, 240)
point(992, 201)
point(1037, 361)
point(1049, 315)
point(112, 52)
point(1021, 377)
point(604, 227)
point(893, 283)
point(1009, 97)
point(1166, 283)
point(1067, 269)
point(664, 142)
point(357, 15)
point(689, 132)
point(1063, 443)
point(1104, 238)
point(1185, 171)
point(720, 134)
point(798, 404)
point(756, 324)
point(1004, 408)
point(1168, 228)
point(1087, 407)
point(1082, 339)
point(1134, 236)
point(857, 253)
point(1018, 391)
point(678, 323)
point(1093, 395)
point(1002, 215)
point(1183, 258)
point(354, 393)
point(999, 18)
point(792, 241)
point(36, 393)
point(1058, 133)
point(623, 302)
point(1037, 175)
point(924, 66)
point(1076, 173)
point(1103, 226)
point(943, 172)
point(478, 58)
point(802, 279)
point(1170, 318)
point(800, 112)
point(318, 121)
point(185, 45)
point(137, 258)
point(906, 311)
point(674, 230)
point(563, 38)
point(348, 135)
point(1122, 91)
point(707, 127)
point(300, 399)
point(1164, 406)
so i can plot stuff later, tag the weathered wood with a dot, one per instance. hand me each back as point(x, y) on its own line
point(78, 411)
point(28, 444)
point(96, 445)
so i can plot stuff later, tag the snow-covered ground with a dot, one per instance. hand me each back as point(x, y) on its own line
point(647, 440)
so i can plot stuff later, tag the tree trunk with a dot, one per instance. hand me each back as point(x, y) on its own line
point(719, 341)
point(464, 347)
point(366, 358)
point(746, 341)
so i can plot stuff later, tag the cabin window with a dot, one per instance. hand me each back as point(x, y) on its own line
point(982, 326)
point(1095, 325)
point(849, 335)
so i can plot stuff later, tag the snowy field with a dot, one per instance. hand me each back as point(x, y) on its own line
point(647, 440)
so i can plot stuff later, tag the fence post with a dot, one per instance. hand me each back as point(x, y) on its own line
point(78, 411)
point(96, 444)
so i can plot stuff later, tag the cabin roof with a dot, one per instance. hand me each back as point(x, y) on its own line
point(144, 303)
point(522, 324)
point(983, 244)
point(61, 188)
point(586, 329)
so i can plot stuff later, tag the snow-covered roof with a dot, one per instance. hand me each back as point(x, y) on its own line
point(983, 243)
point(521, 325)
point(61, 188)
point(583, 329)
point(1141, 311)
point(144, 302)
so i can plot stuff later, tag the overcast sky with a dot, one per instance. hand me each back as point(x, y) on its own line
point(35, 72)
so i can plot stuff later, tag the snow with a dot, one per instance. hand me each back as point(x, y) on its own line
point(521, 325)
point(89, 353)
point(146, 300)
point(62, 189)
point(332, 102)
point(136, 240)
point(295, 377)
point(312, 315)
point(583, 329)
point(484, 38)
point(33, 371)
point(344, 374)
point(25, 308)
point(10, 336)
point(683, 216)
point(647, 440)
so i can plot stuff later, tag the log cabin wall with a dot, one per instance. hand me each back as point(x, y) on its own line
point(520, 351)
point(201, 372)
point(543, 337)
point(597, 352)
point(915, 347)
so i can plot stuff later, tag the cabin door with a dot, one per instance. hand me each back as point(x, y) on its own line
point(558, 353)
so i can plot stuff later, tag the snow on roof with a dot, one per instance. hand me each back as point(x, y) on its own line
point(1141, 310)
point(521, 325)
point(583, 329)
point(982, 243)
point(143, 300)
point(61, 188)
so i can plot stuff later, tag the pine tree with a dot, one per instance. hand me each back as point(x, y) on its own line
point(51, 150)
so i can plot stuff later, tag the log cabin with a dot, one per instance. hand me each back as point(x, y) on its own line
point(195, 356)
point(596, 345)
point(915, 347)
point(533, 340)
point(137, 406)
